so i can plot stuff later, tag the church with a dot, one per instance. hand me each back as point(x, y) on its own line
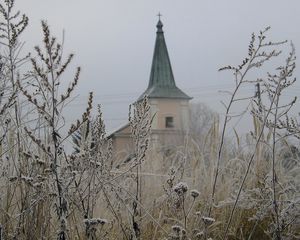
point(169, 105)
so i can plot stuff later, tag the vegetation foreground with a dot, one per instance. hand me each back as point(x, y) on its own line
point(211, 187)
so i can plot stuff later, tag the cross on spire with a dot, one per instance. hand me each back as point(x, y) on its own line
point(159, 15)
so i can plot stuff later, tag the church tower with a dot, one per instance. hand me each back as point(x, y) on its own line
point(169, 104)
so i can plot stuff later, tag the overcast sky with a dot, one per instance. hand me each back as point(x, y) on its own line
point(113, 41)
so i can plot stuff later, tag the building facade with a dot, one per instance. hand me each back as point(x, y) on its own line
point(169, 105)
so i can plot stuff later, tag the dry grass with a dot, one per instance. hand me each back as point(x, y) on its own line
point(206, 188)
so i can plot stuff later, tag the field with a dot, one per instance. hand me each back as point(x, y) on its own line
point(211, 186)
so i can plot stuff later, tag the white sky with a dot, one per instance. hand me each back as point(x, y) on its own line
point(113, 41)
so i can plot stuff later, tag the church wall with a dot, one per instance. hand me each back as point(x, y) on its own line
point(176, 108)
point(122, 143)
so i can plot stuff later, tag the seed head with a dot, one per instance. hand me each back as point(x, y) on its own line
point(180, 188)
point(176, 228)
point(208, 220)
point(195, 193)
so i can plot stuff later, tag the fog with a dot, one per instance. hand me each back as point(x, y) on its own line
point(113, 41)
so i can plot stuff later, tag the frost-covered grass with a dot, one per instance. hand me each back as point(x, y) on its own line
point(210, 187)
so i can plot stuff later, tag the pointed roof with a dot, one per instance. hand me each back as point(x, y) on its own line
point(162, 83)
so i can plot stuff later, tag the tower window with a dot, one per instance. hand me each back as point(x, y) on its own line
point(169, 122)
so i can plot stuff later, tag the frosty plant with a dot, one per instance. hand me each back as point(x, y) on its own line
point(12, 25)
point(276, 120)
point(260, 51)
point(258, 54)
point(140, 122)
point(182, 205)
point(91, 165)
point(46, 193)
point(48, 101)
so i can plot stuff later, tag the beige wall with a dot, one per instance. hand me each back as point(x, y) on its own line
point(162, 108)
point(176, 108)
point(122, 143)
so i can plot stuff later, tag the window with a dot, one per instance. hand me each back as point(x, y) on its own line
point(169, 122)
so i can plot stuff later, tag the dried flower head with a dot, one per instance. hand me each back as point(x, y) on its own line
point(13, 178)
point(102, 221)
point(199, 235)
point(176, 228)
point(208, 220)
point(195, 193)
point(198, 213)
point(180, 188)
point(95, 221)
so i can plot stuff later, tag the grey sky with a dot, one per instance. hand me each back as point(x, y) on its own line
point(113, 41)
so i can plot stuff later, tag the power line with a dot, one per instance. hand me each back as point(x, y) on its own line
point(126, 94)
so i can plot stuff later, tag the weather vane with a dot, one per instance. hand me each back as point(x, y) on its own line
point(159, 15)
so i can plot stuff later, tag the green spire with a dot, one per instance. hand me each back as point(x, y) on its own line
point(162, 83)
